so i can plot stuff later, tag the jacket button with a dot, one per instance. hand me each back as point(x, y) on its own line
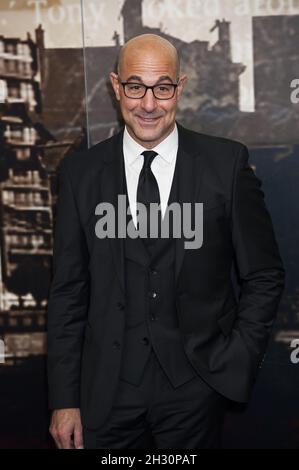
point(262, 361)
point(153, 295)
point(145, 341)
point(120, 305)
point(153, 271)
point(116, 345)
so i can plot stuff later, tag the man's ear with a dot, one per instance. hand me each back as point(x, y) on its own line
point(115, 84)
point(181, 85)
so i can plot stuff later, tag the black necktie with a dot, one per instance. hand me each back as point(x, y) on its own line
point(148, 190)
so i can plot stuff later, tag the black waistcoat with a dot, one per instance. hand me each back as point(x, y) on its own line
point(151, 317)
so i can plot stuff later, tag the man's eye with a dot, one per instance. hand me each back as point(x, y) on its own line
point(164, 88)
point(134, 87)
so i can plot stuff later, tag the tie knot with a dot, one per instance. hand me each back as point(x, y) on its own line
point(149, 155)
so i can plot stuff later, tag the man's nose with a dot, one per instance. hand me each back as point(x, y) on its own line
point(149, 102)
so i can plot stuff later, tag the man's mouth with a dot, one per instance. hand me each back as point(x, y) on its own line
point(149, 120)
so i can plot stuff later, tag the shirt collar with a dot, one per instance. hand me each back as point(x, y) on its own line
point(166, 149)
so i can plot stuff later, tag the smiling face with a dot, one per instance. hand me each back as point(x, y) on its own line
point(149, 60)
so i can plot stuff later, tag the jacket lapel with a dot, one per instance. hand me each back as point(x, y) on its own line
point(190, 172)
point(111, 187)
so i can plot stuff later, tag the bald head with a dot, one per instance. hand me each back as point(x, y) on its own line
point(148, 45)
point(148, 63)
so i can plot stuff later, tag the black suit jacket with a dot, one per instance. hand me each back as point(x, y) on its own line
point(224, 337)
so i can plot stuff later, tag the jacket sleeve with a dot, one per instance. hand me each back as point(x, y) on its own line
point(259, 265)
point(68, 299)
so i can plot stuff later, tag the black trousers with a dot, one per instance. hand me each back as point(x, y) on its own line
point(155, 415)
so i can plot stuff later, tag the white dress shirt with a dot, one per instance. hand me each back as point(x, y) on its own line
point(162, 167)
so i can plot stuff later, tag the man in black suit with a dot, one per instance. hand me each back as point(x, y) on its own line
point(147, 339)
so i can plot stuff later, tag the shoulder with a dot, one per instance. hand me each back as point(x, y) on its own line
point(211, 145)
point(222, 157)
point(78, 163)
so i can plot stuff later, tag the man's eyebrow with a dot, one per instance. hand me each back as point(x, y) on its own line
point(135, 77)
point(160, 79)
point(165, 77)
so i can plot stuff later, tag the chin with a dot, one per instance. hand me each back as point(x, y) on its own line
point(149, 136)
point(146, 134)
